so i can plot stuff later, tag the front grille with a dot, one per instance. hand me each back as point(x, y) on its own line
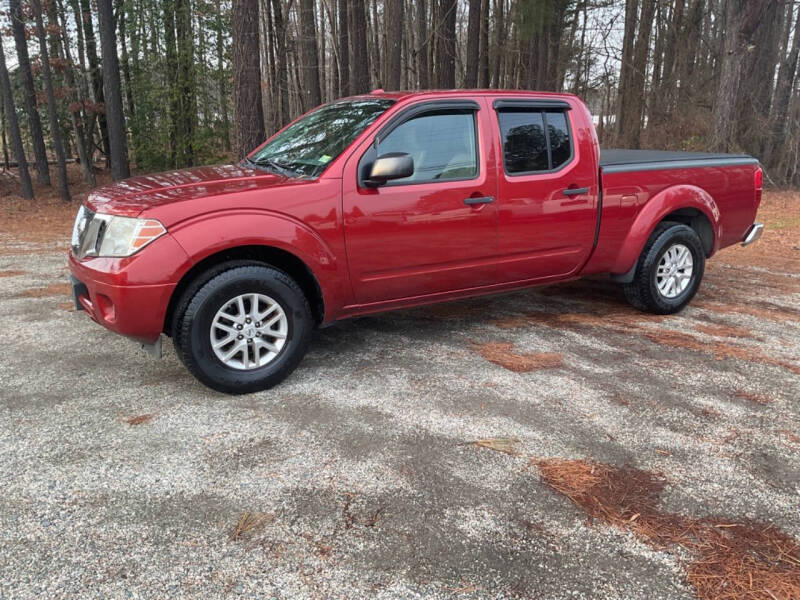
point(85, 232)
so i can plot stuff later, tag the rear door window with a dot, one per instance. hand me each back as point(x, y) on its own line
point(534, 140)
point(558, 134)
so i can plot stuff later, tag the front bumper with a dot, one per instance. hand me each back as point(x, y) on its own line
point(133, 311)
point(129, 296)
point(753, 234)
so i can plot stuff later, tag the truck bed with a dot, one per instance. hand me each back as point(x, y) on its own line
point(618, 161)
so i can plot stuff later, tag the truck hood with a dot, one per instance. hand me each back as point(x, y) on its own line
point(133, 196)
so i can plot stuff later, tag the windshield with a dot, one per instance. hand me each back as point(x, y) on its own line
point(306, 147)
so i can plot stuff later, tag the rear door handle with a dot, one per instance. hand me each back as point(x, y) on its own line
point(575, 191)
point(483, 200)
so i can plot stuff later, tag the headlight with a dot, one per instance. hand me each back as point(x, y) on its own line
point(97, 234)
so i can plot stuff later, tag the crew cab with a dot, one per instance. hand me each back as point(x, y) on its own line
point(391, 200)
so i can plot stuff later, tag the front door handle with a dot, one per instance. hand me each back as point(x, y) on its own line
point(575, 191)
point(483, 200)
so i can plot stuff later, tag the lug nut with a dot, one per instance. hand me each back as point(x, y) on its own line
point(258, 324)
point(258, 334)
point(238, 327)
point(239, 337)
point(247, 320)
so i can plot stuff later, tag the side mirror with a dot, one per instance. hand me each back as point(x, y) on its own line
point(394, 165)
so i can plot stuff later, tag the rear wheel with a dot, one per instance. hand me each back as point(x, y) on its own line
point(244, 330)
point(669, 270)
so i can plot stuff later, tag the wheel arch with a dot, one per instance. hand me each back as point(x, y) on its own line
point(267, 255)
point(685, 204)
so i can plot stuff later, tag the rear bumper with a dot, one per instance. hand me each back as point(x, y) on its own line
point(129, 296)
point(753, 234)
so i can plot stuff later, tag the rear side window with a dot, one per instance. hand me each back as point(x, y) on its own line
point(534, 139)
point(442, 144)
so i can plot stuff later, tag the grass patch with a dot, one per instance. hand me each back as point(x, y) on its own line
point(248, 523)
point(504, 445)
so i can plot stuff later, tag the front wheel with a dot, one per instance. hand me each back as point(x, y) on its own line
point(245, 330)
point(669, 270)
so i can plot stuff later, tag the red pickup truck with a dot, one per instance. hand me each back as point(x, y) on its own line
point(391, 200)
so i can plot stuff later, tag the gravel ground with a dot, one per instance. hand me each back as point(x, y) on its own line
point(123, 477)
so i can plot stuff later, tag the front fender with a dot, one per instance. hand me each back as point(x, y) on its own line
point(212, 233)
point(653, 212)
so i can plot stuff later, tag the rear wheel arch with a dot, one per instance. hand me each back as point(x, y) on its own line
point(697, 220)
point(686, 204)
point(271, 256)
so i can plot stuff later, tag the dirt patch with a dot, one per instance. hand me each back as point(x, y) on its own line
point(727, 331)
point(46, 218)
point(720, 350)
point(139, 419)
point(791, 436)
point(733, 560)
point(12, 273)
point(55, 289)
point(620, 320)
point(780, 213)
point(500, 353)
point(770, 312)
point(755, 398)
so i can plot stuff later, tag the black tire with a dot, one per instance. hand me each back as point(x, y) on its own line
point(195, 314)
point(643, 292)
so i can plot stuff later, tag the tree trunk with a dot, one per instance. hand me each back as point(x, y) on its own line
point(95, 73)
point(359, 58)
point(473, 44)
point(741, 19)
point(52, 109)
point(29, 92)
point(483, 59)
point(3, 141)
point(311, 93)
point(87, 173)
point(758, 76)
point(13, 128)
point(221, 81)
point(780, 109)
point(269, 96)
point(172, 83)
point(282, 68)
point(376, 47)
point(422, 45)
point(446, 43)
point(343, 41)
point(394, 43)
point(626, 68)
point(636, 106)
point(84, 95)
point(115, 116)
point(499, 43)
point(126, 69)
point(248, 113)
point(187, 98)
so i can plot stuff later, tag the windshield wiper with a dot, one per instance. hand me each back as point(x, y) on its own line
point(274, 165)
